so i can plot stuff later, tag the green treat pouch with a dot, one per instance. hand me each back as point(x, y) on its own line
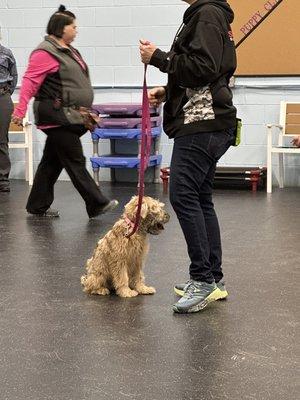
point(238, 132)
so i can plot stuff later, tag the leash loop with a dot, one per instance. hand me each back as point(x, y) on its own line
point(145, 149)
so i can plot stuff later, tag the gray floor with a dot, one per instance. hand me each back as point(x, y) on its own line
point(58, 343)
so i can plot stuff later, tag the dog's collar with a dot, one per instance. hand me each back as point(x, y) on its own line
point(128, 221)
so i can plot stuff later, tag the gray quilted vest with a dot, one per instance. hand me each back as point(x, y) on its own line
point(63, 92)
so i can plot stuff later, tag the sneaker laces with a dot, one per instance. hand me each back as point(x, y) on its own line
point(189, 289)
point(191, 286)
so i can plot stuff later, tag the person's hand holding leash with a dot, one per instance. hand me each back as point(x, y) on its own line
point(146, 50)
point(89, 118)
point(17, 120)
point(157, 96)
point(296, 141)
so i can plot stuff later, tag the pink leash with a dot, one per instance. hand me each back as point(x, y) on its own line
point(144, 152)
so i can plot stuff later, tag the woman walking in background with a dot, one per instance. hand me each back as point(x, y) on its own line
point(58, 78)
point(8, 82)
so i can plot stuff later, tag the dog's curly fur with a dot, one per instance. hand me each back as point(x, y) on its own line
point(117, 261)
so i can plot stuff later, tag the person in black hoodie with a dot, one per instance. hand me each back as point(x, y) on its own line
point(200, 116)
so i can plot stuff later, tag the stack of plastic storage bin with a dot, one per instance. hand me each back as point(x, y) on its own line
point(121, 124)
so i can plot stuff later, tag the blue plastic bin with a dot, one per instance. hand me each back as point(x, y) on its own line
point(119, 161)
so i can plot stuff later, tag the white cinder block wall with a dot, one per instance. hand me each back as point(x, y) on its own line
point(109, 31)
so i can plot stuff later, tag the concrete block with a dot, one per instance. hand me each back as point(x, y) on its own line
point(251, 114)
point(26, 37)
point(102, 75)
point(131, 2)
point(94, 37)
point(263, 96)
point(163, 36)
point(12, 18)
point(113, 16)
point(254, 135)
point(24, 4)
point(37, 18)
point(70, 4)
point(163, 15)
point(88, 54)
point(115, 56)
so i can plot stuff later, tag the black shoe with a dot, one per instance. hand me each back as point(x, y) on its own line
point(4, 188)
point(103, 209)
point(50, 213)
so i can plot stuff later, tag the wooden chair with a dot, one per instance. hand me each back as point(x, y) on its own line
point(26, 144)
point(289, 126)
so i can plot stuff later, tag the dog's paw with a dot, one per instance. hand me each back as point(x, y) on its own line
point(127, 292)
point(101, 292)
point(146, 290)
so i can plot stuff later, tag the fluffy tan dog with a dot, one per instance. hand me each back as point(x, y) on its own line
point(117, 261)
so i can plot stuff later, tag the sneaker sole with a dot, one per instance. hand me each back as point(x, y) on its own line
point(222, 294)
point(111, 206)
point(41, 216)
point(209, 299)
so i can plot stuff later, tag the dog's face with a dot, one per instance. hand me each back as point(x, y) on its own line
point(153, 214)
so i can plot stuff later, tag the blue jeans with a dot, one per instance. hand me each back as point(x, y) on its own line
point(192, 173)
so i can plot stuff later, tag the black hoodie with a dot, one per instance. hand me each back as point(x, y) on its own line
point(199, 65)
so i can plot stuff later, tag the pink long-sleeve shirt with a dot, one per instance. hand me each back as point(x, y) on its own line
point(41, 64)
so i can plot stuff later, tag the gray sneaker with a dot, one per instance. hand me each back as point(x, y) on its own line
point(197, 295)
point(50, 213)
point(222, 292)
point(104, 209)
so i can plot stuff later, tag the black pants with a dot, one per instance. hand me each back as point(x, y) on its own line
point(6, 110)
point(192, 172)
point(63, 149)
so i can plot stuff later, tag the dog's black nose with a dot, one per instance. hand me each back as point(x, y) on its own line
point(167, 217)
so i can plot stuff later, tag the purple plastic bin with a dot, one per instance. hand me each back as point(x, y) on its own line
point(124, 109)
point(123, 133)
point(127, 123)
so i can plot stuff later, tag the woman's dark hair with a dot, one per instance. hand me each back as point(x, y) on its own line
point(59, 20)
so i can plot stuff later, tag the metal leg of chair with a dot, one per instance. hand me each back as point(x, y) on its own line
point(254, 180)
point(95, 147)
point(29, 158)
point(96, 176)
point(165, 178)
point(269, 173)
point(269, 161)
point(281, 170)
point(30, 161)
point(157, 168)
point(157, 174)
point(26, 165)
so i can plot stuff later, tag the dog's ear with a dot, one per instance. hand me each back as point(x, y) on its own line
point(131, 208)
point(144, 209)
point(134, 200)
